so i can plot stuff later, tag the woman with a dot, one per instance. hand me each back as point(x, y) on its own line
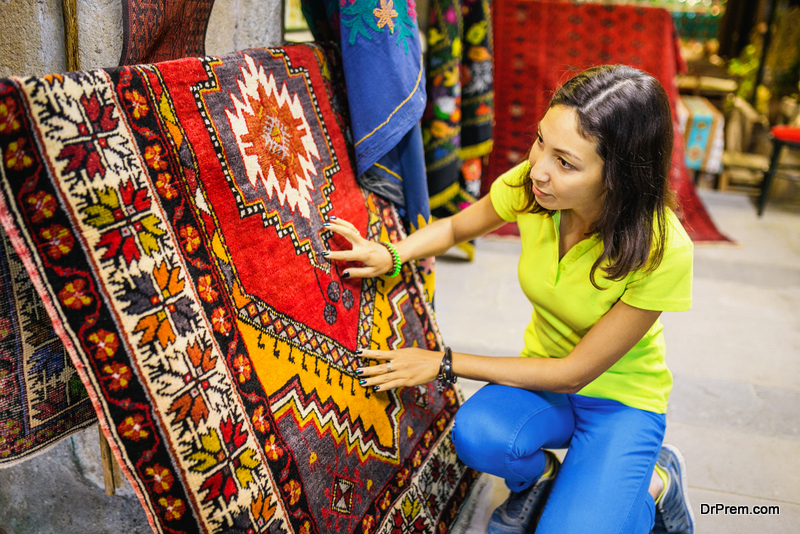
point(602, 256)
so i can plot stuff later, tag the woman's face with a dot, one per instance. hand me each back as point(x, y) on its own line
point(566, 170)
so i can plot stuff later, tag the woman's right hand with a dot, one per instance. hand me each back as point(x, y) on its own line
point(375, 258)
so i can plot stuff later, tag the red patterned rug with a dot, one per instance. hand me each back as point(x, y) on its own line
point(540, 44)
point(170, 216)
point(161, 30)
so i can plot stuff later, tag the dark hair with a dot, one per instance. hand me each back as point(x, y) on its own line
point(627, 112)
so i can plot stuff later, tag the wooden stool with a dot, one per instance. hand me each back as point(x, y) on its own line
point(781, 136)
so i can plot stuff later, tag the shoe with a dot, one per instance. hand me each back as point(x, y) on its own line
point(674, 514)
point(520, 513)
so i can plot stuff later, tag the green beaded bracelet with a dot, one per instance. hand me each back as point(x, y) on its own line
point(395, 258)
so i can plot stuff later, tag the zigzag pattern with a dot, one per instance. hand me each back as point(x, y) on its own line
point(327, 417)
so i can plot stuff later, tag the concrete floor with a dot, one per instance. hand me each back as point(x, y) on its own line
point(735, 407)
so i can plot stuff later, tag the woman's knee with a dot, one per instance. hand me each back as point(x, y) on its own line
point(474, 445)
point(487, 425)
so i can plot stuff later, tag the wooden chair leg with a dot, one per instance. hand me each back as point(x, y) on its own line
point(769, 176)
point(724, 180)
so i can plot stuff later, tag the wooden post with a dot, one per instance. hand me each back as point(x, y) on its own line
point(767, 37)
point(70, 34)
point(117, 473)
point(107, 460)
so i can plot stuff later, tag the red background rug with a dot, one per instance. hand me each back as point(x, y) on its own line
point(41, 398)
point(539, 45)
point(171, 218)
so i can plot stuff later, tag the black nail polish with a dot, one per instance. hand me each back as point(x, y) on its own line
point(333, 217)
point(345, 275)
point(359, 371)
point(324, 254)
point(359, 352)
point(325, 225)
point(362, 382)
point(376, 388)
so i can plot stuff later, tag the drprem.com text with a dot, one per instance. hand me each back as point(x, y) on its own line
point(723, 509)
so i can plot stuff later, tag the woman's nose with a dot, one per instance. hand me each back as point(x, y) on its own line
point(538, 172)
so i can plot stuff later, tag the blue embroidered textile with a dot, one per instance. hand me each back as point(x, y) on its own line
point(385, 80)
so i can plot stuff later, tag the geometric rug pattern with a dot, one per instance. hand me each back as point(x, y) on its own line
point(171, 218)
point(42, 400)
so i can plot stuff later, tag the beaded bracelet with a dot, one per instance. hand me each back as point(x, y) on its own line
point(446, 375)
point(395, 258)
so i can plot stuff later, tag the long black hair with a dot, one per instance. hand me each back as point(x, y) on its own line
point(627, 113)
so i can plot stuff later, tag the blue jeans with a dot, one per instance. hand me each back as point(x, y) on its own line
point(602, 486)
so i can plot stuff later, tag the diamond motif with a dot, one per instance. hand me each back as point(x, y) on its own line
point(280, 163)
point(274, 138)
point(342, 497)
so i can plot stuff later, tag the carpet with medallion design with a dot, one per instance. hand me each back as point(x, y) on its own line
point(171, 218)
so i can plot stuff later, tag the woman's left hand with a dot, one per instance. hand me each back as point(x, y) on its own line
point(400, 368)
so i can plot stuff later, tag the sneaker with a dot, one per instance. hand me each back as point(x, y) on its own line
point(520, 513)
point(673, 512)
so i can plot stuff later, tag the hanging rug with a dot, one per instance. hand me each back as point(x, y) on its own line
point(42, 398)
point(171, 218)
point(541, 44)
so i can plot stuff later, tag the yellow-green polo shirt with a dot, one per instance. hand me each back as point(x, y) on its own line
point(566, 304)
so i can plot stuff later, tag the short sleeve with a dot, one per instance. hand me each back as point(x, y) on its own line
point(506, 196)
point(669, 287)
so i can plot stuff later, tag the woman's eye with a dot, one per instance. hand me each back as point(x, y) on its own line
point(565, 164)
point(539, 139)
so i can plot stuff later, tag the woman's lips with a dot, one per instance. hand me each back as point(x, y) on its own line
point(538, 193)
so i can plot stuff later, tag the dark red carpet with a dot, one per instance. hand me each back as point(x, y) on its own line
point(540, 45)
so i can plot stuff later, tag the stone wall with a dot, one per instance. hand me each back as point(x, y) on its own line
point(32, 32)
point(61, 492)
